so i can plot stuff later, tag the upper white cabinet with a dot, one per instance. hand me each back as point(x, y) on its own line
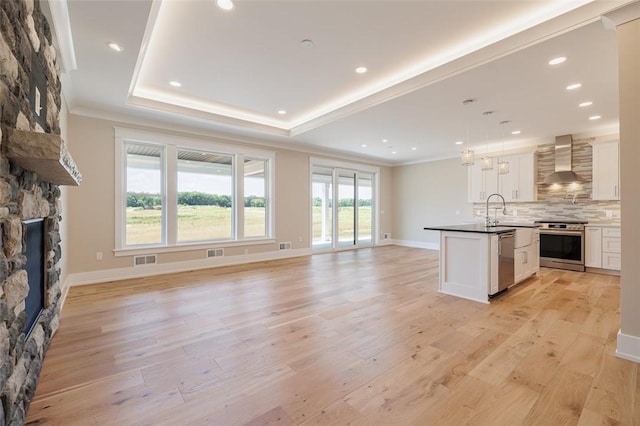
point(606, 170)
point(519, 183)
point(482, 183)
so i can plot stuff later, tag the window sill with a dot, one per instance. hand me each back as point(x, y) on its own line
point(135, 251)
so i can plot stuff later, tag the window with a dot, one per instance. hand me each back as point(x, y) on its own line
point(145, 195)
point(174, 192)
point(255, 201)
point(205, 196)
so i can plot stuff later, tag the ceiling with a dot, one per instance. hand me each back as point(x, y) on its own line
point(238, 68)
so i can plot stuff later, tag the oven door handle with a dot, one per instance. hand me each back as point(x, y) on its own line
point(560, 232)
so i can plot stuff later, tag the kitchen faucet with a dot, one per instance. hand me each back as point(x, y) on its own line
point(487, 219)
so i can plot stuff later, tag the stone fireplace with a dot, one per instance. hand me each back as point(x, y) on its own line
point(33, 163)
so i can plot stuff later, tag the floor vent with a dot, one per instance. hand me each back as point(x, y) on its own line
point(285, 246)
point(215, 252)
point(150, 259)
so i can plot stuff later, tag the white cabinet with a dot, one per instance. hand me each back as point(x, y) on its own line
point(482, 183)
point(527, 257)
point(519, 183)
point(535, 252)
point(593, 247)
point(602, 247)
point(611, 249)
point(522, 264)
point(606, 170)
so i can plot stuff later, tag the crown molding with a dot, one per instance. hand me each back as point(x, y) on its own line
point(62, 29)
point(624, 14)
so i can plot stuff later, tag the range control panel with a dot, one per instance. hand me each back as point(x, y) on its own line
point(559, 226)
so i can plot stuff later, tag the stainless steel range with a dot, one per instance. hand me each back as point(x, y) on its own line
point(562, 244)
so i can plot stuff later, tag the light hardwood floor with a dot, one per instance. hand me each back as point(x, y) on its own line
point(356, 337)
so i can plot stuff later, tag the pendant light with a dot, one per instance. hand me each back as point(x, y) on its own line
point(487, 162)
point(503, 166)
point(468, 156)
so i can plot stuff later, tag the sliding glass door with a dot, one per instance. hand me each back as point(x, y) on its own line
point(322, 208)
point(346, 208)
point(365, 208)
point(349, 221)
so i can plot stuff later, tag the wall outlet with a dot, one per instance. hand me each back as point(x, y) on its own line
point(457, 212)
point(609, 213)
point(514, 212)
point(98, 255)
point(246, 251)
point(386, 236)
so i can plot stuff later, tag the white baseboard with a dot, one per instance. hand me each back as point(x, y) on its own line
point(387, 242)
point(94, 277)
point(64, 290)
point(628, 347)
point(417, 244)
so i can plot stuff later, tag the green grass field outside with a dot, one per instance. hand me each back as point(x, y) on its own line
point(345, 224)
point(195, 223)
point(199, 223)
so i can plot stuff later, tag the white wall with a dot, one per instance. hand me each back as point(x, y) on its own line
point(629, 82)
point(64, 222)
point(428, 194)
point(90, 212)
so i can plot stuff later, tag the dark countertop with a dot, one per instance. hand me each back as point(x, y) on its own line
point(477, 228)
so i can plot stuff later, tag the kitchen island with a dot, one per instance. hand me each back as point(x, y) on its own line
point(472, 264)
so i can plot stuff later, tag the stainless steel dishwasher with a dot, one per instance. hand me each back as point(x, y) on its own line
point(506, 274)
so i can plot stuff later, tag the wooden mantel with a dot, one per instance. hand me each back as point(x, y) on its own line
point(44, 154)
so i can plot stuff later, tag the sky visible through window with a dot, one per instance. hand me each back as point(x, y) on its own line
point(148, 181)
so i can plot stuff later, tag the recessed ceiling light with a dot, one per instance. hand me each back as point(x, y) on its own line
point(306, 43)
point(558, 60)
point(361, 70)
point(175, 83)
point(384, 141)
point(595, 117)
point(458, 142)
point(225, 4)
point(282, 112)
point(414, 148)
point(585, 104)
point(393, 152)
point(574, 86)
point(364, 145)
point(115, 46)
point(516, 132)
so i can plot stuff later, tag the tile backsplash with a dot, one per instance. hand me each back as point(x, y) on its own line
point(603, 212)
point(565, 201)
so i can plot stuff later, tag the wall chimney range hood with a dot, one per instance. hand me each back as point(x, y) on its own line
point(563, 173)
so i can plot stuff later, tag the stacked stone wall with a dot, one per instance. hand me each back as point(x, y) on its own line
point(25, 36)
